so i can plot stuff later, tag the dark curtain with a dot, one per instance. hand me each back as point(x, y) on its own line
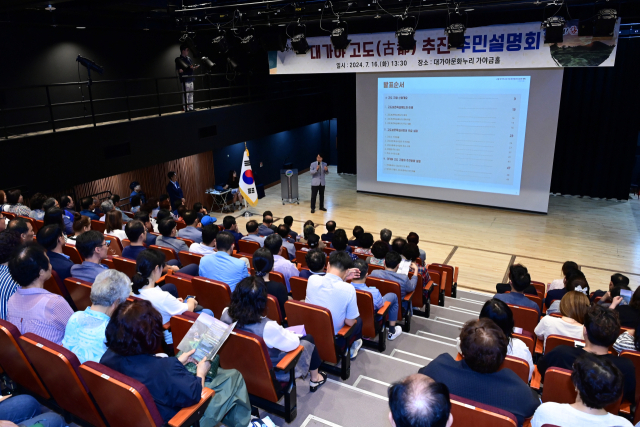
point(598, 127)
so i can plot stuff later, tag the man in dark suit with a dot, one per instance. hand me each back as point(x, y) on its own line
point(144, 218)
point(331, 228)
point(173, 189)
point(52, 239)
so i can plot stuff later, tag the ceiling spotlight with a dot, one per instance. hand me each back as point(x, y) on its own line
point(405, 38)
point(377, 16)
point(207, 64)
point(232, 64)
point(455, 33)
point(605, 23)
point(339, 37)
point(220, 43)
point(81, 28)
point(554, 29)
point(299, 44)
point(50, 8)
point(249, 43)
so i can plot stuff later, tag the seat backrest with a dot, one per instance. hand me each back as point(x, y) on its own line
point(274, 276)
point(9, 215)
point(540, 287)
point(554, 341)
point(299, 245)
point(98, 225)
point(469, 413)
point(247, 246)
point(517, 365)
point(59, 370)
point(180, 325)
point(15, 363)
point(374, 267)
point(180, 224)
point(634, 356)
point(80, 292)
point(298, 288)
point(527, 338)
point(386, 287)
point(318, 323)
point(30, 221)
point(535, 299)
point(273, 309)
point(327, 250)
point(367, 313)
point(436, 277)
point(38, 225)
point(125, 243)
point(125, 265)
point(363, 256)
point(212, 294)
point(248, 354)
point(284, 253)
point(72, 252)
point(242, 255)
point(122, 400)
point(184, 285)
point(559, 388)
point(448, 284)
point(189, 242)
point(188, 258)
point(115, 247)
point(525, 318)
point(300, 258)
point(55, 285)
point(417, 299)
point(169, 253)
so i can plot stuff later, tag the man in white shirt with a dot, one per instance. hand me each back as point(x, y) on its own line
point(208, 245)
point(281, 265)
point(332, 292)
point(252, 233)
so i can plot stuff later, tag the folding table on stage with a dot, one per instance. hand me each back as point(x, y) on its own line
point(219, 198)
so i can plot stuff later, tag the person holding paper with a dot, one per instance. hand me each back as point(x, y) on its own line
point(248, 303)
point(391, 263)
point(318, 170)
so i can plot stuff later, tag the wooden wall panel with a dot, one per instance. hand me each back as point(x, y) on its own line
point(195, 175)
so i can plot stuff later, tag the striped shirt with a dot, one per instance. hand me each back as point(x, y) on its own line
point(625, 342)
point(39, 311)
point(7, 288)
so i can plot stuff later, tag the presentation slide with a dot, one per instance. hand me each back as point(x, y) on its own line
point(463, 133)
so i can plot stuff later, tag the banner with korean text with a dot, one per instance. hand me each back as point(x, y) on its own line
point(492, 47)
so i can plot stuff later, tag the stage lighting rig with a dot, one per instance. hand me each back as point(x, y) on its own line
point(605, 22)
point(207, 64)
point(339, 36)
point(455, 33)
point(221, 43)
point(405, 34)
point(299, 40)
point(248, 42)
point(90, 65)
point(554, 29)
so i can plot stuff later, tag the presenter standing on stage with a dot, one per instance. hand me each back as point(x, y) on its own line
point(318, 170)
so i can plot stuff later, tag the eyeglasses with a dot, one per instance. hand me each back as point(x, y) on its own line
point(106, 243)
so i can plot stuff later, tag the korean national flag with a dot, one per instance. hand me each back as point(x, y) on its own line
point(247, 183)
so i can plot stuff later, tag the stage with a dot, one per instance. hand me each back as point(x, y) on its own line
point(603, 237)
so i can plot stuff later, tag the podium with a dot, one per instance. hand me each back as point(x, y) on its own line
point(289, 185)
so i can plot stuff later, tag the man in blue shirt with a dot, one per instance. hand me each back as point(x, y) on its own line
point(265, 229)
point(519, 279)
point(93, 248)
point(52, 239)
point(230, 226)
point(143, 217)
point(222, 266)
point(87, 208)
point(252, 233)
point(173, 189)
point(391, 263)
point(191, 231)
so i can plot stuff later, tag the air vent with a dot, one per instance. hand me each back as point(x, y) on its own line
point(116, 151)
point(208, 131)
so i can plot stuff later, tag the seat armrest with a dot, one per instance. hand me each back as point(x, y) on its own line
point(625, 407)
point(408, 296)
point(346, 331)
point(289, 361)
point(539, 346)
point(429, 287)
point(166, 326)
point(536, 379)
point(384, 309)
point(455, 274)
point(192, 414)
point(161, 280)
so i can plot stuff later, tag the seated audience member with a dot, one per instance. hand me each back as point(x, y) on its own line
point(25, 411)
point(378, 299)
point(151, 206)
point(96, 204)
point(566, 268)
point(115, 199)
point(521, 270)
point(263, 264)
point(391, 263)
point(385, 236)
point(573, 306)
point(248, 303)
point(598, 383)
point(601, 328)
point(340, 243)
point(36, 206)
point(332, 292)
point(366, 241)
point(55, 216)
point(281, 265)
point(106, 207)
point(136, 191)
point(357, 235)
point(313, 242)
point(14, 204)
point(67, 204)
point(169, 230)
point(502, 316)
point(93, 248)
point(288, 221)
point(162, 214)
point(378, 253)
point(113, 225)
point(143, 216)
point(415, 239)
point(316, 260)
point(629, 314)
point(179, 210)
point(478, 376)
point(419, 401)
point(135, 204)
point(617, 281)
point(200, 210)
point(164, 204)
point(270, 214)
point(252, 233)
point(283, 232)
point(308, 238)
point(51, 238)
point(628, 340)
point(398, 245)
point(84, 334)
point(32, 308)
point(221, 265)
point(231, 226)
point(331, 228)
point(519, 281)
point(23, 227)
point(81, 224)
point(149, 266)
point(137, 234)
point(208, 244)
point(608, 298)
point(134, 333)
point(9, 241)
point(192, 231)
point(87, 209)
point(575, 281)
point(411, 252)
point(265, 229)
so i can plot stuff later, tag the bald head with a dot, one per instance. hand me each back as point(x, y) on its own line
point(419, 401)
